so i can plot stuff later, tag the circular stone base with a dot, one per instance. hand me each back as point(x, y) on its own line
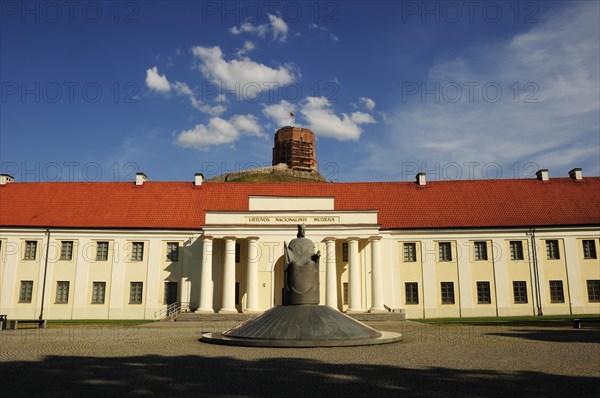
point(219, 338)
point(302, 326)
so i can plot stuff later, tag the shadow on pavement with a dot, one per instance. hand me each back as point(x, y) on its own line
point(225, 376)
point(554, 335)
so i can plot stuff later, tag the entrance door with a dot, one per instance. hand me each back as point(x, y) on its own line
point(278, 282)
point(170, 293)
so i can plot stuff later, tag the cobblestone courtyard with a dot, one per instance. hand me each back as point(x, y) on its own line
point(167, 359)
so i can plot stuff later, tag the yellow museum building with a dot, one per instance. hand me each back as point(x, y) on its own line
point(127, 250)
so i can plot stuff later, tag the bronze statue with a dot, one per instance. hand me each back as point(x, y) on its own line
point(301, 283)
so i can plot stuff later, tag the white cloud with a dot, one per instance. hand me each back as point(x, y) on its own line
point(278, 27)
point(367, 102)
point(156, 81)
point(324, 122)
point(280, 113)
point(361, 117)
point(321, 28)
point(555, 63)
point(160, 83)
point(213, 110)
point(248, 46)
point(240, 72)
point(247, 124)
point(185, 90)
point(247, 27)
point(219, 131)
point(182, 88)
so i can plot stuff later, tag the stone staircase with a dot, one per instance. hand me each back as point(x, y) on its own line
point(241, 317)
point(193, 317)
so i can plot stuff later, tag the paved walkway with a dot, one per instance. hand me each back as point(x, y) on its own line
point(166, 359)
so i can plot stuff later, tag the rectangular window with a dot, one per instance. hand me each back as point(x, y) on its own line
point(480, 250)
point(62, 292)
point(552, 250)
point(345, 293)
point(101, 251)
point(589, 249)
point(447, 292)
point(516, 250)
point(137, 251)
point(410, 252)
point(135, 292)
point(445, 249)
point(30, 250)
point(483, 293)
point(66, 250)
point(173, 251)
point(237, 293)
point(556, 292)
point(344, 251)
point(412, 292)
point(520, 292)
point(98, 292)
point(237, 253)
point(25, 292)
point(593, 287)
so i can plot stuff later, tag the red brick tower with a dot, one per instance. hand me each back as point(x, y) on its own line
point(295, 146)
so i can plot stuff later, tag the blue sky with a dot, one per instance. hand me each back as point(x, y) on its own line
point(461, 90)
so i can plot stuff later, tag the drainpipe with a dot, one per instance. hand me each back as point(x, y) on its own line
point(536, 274)
point(494, 273)
point(45, 271)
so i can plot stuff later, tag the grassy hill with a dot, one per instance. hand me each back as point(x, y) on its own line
point(271, 178)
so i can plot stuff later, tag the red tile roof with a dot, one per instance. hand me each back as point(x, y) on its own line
point(400, 205)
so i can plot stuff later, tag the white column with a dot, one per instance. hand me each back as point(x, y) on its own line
point(354, 277)
point(376, 275)
point(252, 273)
point(206, 278)
point(330, 274)
point(228, 303)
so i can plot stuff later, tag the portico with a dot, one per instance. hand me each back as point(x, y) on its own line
point(240, 273)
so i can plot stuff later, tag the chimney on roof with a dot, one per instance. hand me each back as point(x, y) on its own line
point(576, 174)
point(140, 178)
point(421, 178)
point(5, 179)
point(198, 179)
point(542, 174)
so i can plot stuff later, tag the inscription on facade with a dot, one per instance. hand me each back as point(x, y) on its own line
point(292, 220)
